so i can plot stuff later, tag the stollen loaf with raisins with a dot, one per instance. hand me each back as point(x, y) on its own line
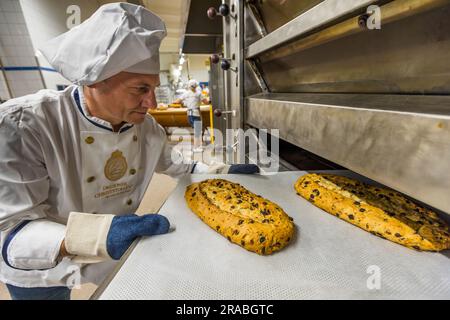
point(241, 216)
point(381, 211)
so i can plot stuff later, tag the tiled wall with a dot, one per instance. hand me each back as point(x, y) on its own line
point(17, 53)
point(4, 95)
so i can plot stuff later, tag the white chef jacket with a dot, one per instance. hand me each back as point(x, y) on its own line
point(192, 102)
point(56, 158)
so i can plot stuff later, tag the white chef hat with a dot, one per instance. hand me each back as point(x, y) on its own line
point(117, 37)
point(192, 83)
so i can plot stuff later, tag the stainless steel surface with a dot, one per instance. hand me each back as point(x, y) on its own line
point(250, 81)
point(390, 12)
point(407, 56)
point(374, 101)
point(257, 75)
point(217, 94)
point(426, 105)
point(317, 16)
point(400, 141)
point(328, 259)
point(251, 29)
point(233, 31)
point(275, 13)
point(256, 17)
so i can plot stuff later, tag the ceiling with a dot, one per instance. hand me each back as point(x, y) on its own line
point(188, 26)
point(174, 14)
point(202, 35)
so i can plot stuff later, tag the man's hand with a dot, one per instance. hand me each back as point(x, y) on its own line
point(90, 236)
point(125, 229)
point(243, 169)
point(62, 250)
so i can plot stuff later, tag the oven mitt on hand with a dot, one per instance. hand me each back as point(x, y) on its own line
point(243, 169)
point(93, 238)
point(125, 229)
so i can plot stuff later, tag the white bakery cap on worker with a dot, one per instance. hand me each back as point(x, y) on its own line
point(117, 37)
point(192, 83)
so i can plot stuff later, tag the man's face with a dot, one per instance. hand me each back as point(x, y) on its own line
point(126, 97)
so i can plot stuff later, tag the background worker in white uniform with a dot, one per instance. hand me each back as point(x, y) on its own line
point(205, 91)
point(191, 99)
point(75, 163)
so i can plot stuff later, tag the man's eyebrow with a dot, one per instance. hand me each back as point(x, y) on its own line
point(144, 84)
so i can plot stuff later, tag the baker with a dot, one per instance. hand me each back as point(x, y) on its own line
point(191, 99)
point(75, 163)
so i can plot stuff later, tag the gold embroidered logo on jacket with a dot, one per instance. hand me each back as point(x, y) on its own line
point(116, 166)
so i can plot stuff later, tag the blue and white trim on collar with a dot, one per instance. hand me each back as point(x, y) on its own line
point(78, 98)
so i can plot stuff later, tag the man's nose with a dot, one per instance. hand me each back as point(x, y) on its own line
point(149, 100)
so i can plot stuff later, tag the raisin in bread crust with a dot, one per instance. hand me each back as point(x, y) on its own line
point(244, 218)
point(383, 212)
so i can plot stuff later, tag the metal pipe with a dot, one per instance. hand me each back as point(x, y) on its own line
point(393, 11)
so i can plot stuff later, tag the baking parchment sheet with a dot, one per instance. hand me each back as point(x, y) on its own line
point(328, 259)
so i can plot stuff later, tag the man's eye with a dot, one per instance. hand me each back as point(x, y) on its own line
point(142, 89)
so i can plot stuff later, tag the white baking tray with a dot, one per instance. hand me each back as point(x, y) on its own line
point(328, 259)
